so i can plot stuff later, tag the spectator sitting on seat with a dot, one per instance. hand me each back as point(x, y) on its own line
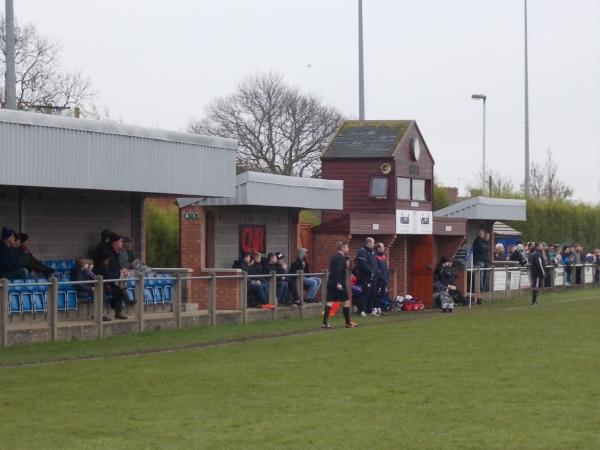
point(291, 281)
point(103, 248)
point(9, 260)
point(313, 284)
point(111, 270)
point(128, 260)
point(255, 290)
point(27, 260)
point(282, 288)
point(258, 268)
point(84, 272)
point(499, 252)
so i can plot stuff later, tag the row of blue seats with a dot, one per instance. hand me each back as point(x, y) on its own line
point(31, 296)
point(158, 290)
point(65, 265)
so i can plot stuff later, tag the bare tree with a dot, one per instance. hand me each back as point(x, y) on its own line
point(279, 129)
point(545, 183)
point(501, 187)
point(41, 84)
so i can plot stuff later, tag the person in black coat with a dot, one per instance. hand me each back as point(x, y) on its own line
point(110, 269)
point(256, 294)
point(27, 260)
point(480, 257)
point(337, 286)
point(9, 260)
point(383, 278)
point(538, 272)
point(367, 273)
point(258, 268)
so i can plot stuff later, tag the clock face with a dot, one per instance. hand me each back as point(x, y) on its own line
point(415, 149)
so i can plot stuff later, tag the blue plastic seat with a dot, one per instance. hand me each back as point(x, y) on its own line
point(14, 296)
point(27, 297)
point(71, 264)
point(63, 266)
point(39, 296)
point(61, 300)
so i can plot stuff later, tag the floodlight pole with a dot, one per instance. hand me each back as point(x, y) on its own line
point(527, 174)
point(361, 70)
point(10, 80)
point(483, 178)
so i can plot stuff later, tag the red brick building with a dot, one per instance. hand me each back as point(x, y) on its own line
point(387, 170)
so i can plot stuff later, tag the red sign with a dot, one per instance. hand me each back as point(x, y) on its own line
point(253, 238)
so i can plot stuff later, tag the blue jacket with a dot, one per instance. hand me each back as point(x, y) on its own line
point(384, 273)
point(9, 261)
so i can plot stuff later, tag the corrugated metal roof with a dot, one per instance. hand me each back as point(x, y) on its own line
point(264, 189)
point(484, 208)
point(61, 152)
point(367, 139)
point(502, 229)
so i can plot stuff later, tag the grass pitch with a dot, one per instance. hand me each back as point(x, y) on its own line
point(506, 375)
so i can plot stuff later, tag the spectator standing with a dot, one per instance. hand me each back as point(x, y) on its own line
point(9, 260)
point(578, 260)
point(520, 256)
point(383, 279)
point(312, 284)
point(367, 274)
point(480, 256)
point(103, 248)
point(337, 286)
point(110, 269)
point(538, 272)
point(567, 262)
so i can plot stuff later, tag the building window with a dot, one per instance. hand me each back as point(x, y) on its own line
point(403, 188)
point(379, 187)
point(418, 190)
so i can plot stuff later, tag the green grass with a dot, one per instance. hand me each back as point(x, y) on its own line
point(506, 375)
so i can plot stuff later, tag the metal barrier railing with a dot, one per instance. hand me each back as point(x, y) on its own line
point(141, 308)
point(502, 282)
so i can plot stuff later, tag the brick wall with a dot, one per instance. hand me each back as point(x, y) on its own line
point(191, 236)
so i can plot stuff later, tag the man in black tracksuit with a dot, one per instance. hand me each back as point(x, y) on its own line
point(538, 272)
point(367, 274)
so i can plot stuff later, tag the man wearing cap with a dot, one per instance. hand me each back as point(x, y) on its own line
point(9, 261)
point(111, 270)
point(281, 285)
point(313, 284)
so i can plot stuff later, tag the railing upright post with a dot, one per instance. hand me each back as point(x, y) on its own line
point(4, 311)
point(273, 291)
point(212, 298)
point(324, 281)
point(300, 285)
point(52, 311)
point(139, 303)
point(492, 283)
point(244, 297)
point(99, 304)
point(177, 299)
point(507, 285)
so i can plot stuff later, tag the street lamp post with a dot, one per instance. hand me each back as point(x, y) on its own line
point(483, 98)
point(527, 179)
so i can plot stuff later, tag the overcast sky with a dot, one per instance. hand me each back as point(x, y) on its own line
point(160, 63)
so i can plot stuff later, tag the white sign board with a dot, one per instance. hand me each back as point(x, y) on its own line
point(525, 280)
point(589, 275)
point(514, 280)
point(499, 280)
point(559, 276)
point(414, 222)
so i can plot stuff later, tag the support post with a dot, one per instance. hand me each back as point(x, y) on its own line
point(492, 283)
point(177, 300)
point(99, 304)
point(244, 297)
point(212, 298)
point(300, 291)
point(52, 311)
point(4, 311)
point(139, 303)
